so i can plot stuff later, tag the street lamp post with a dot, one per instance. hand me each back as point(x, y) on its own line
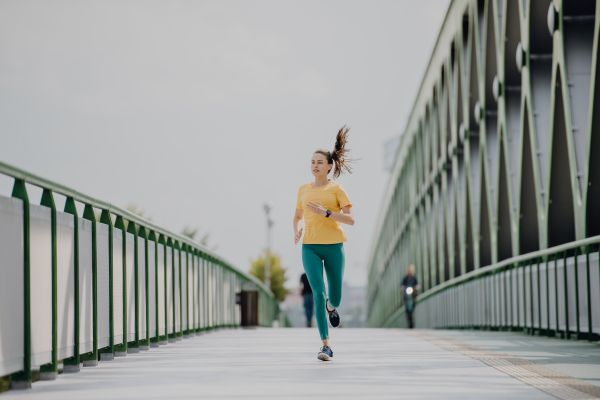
point(270, 221)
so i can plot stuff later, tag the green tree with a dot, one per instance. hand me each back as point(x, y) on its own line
point(277, 273)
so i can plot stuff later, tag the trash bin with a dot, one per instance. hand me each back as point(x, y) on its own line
point(248, 301)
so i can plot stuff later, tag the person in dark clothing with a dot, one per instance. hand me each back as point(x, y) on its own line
point(410, 281)
point(309, 301)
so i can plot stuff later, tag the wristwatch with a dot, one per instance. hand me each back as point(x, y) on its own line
point(328, 213)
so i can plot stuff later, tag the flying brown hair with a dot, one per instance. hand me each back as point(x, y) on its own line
point(338, 155)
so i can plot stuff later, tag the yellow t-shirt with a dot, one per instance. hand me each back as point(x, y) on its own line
point(319, 229)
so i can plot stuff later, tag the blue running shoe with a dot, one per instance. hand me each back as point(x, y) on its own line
point(334, 316)
point(326, 354)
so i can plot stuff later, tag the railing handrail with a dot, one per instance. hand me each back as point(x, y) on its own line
point(492, 268)
point(28, 177)
point(514, 260)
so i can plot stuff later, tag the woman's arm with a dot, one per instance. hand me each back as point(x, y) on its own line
point(345, 217)
point(298, 216)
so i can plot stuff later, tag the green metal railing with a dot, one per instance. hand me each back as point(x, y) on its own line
point(549, 292)
point(497, 168)
point(202, 283)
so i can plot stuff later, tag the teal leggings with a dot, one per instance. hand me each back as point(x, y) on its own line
point(314, 257)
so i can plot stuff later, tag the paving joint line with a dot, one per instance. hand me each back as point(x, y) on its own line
point(554, 383)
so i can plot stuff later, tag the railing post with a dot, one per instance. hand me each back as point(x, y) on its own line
point(91, 359)
point(71, 364)
point(50, 370)
point(189, 262)
point(547, 296)
point(514, 297)
point(557, 326)
point(184, 299)
point(177, 280)
point(202, 289)
point(22, 379)
point(198, 299)
point(576, 277)
point(589, 293)
point(163, 339)
point(567, 333)
point(506, 277)
point(144, 344)
point(121, 349)
point(134, 346)
point(172, 336)
point(154, 341)
point(531, 307)
point(211, 299)
point(107, 353)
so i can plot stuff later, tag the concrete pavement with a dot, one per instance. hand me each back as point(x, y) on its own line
point(579, 359)
point(282, 363)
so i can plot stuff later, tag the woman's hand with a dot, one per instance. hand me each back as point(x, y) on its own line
point(298, 236)
point(317, 208)
point(298, 216)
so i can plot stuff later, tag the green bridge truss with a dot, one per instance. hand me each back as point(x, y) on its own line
point(495, 191)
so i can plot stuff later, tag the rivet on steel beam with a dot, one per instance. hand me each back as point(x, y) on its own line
point(496, 86)
point(520, 56)
point(552, 18)
point(463, 133)
point(478, 112)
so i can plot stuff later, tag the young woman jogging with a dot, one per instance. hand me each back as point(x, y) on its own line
point(324, 205)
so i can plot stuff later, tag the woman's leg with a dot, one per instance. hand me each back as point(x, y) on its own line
point(313, 266)
point(334, 261)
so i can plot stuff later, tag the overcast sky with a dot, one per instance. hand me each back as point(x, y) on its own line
point(200, 111)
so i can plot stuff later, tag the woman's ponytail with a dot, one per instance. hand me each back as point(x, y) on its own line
point(338, 156)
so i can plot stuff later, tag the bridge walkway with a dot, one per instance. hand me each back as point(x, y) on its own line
point(281, 363)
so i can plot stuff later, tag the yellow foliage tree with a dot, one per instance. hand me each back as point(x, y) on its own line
point(277, 273)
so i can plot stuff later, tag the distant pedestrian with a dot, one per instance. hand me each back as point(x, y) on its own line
point(309, 301)
point(324, 205)
point(409, 287)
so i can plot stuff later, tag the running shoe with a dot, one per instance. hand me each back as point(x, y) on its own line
point(334, 316)
point(326, 354)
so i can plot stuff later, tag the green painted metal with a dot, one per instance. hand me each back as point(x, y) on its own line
point(88, 213)
point(70, 208)
point(131, 228)
point(566, 333)
point(559, 253)
point(24, 176)
point(20, 192)
point(588, 289)
point(153, 237)
point(52, 367)
point(458, 165)
point(177, 249)
point(216, 308)
point(165, 337)
point(120, 224)
point(141, 233)
point(169, 247)
point(105, 218)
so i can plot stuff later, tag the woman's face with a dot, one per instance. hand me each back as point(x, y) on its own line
point(319, 166)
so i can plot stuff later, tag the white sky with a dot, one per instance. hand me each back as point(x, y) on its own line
point(200, 111)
